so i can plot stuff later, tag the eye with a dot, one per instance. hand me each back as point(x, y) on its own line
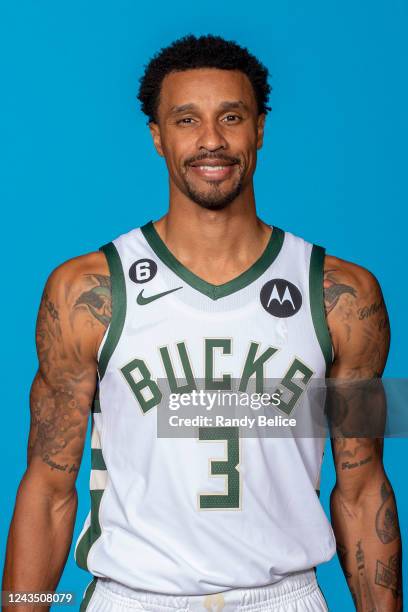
point(185, 121)
point(232, 118)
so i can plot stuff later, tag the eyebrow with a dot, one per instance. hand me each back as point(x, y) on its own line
point(226, 105)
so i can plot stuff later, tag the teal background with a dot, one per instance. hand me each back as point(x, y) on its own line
point(78, 167)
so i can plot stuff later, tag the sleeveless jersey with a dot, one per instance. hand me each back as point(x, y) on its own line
point(199, 515)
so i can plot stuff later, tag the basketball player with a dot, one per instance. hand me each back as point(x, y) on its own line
point(218, 522)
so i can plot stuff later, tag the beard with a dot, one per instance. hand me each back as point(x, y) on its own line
point(214, 198)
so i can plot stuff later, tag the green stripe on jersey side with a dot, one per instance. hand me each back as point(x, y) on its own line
point(118, 288)
point(89, 591)
point(317, 303)
point(94, 530)
point(96, 405)
point(97, 460)
point(92, 533)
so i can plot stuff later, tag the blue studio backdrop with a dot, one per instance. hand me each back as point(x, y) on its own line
point(78, 166)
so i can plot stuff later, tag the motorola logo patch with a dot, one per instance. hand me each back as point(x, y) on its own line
point(143, 270)
point(281, 298)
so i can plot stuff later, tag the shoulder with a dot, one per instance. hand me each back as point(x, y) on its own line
point(356, 315)
point(73, 271)
point(76, 276)
point(70, 279)
point(77, 297)
point(343, 277)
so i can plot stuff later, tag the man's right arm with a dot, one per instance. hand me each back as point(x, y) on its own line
point(74, 314)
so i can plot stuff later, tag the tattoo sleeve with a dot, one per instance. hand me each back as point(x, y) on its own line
point(71, 318)
point(363, 506)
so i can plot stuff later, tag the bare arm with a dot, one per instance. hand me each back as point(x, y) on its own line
point(363, 507)
point(73, 316)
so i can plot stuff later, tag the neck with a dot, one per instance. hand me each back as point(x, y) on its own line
point(215, 245)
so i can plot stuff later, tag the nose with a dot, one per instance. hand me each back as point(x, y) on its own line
point(211, 137)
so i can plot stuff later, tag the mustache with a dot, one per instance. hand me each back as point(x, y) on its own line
point(211, 157)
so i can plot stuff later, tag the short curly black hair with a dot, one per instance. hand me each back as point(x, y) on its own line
point(201, 52)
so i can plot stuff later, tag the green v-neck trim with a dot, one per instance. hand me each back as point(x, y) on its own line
point(215, 291)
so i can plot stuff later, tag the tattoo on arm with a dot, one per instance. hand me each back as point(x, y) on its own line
point(368, 311)
point(358, 320)
point(364, 594)
point(348, 452)
point(386, 520)
point(348, 465)
point(57, 422)
point(62, 391)
point(48, 330)
point(333, 290)
point(389, 576)
point(97, 299)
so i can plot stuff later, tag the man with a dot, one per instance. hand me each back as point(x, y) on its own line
point(207, 292)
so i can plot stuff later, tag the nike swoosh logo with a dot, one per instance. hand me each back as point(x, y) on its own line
point(142, 300)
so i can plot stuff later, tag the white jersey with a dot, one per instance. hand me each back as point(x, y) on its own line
point(199, 515)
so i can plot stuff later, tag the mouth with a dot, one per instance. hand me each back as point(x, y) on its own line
point(215, 170)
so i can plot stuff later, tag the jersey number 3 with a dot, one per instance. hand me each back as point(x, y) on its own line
point(227, 468)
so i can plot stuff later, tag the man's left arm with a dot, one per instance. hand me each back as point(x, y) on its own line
point(363, 507)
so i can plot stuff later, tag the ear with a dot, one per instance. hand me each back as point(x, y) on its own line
point(155, 132)
point(260, 130)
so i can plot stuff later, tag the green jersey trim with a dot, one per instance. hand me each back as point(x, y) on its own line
point(118, 288)
point(317, 303)
point(89, 591)
point(214, 291)
point(92, 533)
point(94, 529)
